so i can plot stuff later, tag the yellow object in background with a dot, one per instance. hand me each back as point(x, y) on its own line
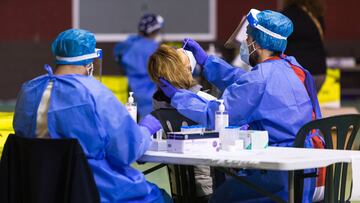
point(118, 85)
point(329, 94)
point(6, 128)
point(174, 44)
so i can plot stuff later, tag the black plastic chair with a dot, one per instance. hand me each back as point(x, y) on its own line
point(171, 120)
point(181, 177)
point(339, 132)
point(45, 171)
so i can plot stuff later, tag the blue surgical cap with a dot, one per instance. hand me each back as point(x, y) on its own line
point(275, 22)
point(150, 23)
point(74, 42)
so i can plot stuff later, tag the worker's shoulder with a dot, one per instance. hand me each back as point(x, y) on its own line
point(271, 65)
point(91, 85)
point(268, 68)
point(36, 81)
point(143, 45)
point(123, 46)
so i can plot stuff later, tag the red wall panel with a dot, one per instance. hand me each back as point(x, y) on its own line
point(342, 20)
point(230, 12)
point(42, 20)
point(35, 20)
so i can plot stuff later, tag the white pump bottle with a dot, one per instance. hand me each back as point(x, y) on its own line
point(221, 117)
point(131, 106)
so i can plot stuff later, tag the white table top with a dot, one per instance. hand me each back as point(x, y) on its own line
point(272, 158)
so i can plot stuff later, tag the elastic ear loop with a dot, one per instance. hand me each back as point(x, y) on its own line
point(254, 48)
point(90, 69)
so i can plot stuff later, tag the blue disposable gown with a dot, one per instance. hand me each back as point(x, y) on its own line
point(270, 97)
point(82, 108)
point(136, 51)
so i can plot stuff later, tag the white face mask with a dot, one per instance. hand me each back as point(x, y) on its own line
point(192, 59)
point(244, 51)
point(90, 69)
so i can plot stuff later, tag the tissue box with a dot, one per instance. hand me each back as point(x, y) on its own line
point(192, 145)
point(185, 142)
point(254, 139)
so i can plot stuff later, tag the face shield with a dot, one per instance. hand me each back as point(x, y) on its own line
point(94, 68)
point(240, 34)
point(253, 21)
point(239, 37)
point(97, 63)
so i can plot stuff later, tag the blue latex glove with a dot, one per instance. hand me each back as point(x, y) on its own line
point(198, 52)
point(168, 89)
point(244, 127)
point(151, 123)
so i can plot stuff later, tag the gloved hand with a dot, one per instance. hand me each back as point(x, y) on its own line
point(151, 123)
point(244, 127)
point(198, 52)
point(168, 89)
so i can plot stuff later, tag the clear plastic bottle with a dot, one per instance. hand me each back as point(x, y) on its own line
point(131, 106)
point(212, 51)
point(221, 117)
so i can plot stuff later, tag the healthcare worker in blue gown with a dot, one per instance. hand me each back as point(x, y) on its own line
point(70, 103)
point(277, 95)
point(133, 55)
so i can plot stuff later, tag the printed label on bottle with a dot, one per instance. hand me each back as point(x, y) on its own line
point(221, 121)
point(132, 111)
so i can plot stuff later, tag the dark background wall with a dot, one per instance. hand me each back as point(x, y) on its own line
point(28, 28)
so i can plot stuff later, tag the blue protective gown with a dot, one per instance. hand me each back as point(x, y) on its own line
point(82, 108)
point(270, 97)
point(136, 51)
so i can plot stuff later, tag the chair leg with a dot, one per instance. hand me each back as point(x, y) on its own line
point(291, 176)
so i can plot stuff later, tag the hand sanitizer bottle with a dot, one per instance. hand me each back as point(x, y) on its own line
point(131, 107)
point(221, 117)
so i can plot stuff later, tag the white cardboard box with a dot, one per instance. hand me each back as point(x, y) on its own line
point(158, 145)
point(193, 145)
point(254, 139)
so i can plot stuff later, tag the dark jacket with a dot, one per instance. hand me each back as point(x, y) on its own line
point(161, 101)
point(305, 43)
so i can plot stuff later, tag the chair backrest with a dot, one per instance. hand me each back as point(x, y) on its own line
point(181, 177)
point(339, 132)
point(171, 120)
point(45, 170)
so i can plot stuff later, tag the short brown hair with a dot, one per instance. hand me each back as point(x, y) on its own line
point(166, 62)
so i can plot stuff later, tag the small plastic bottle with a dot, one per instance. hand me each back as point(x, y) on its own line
point(212, 51)
point(221, 117)
point(131, 106)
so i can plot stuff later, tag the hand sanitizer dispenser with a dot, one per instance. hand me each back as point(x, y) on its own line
point(221, 117)
point(131, 106)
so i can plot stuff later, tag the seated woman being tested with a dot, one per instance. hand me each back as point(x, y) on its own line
point(176, 66)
